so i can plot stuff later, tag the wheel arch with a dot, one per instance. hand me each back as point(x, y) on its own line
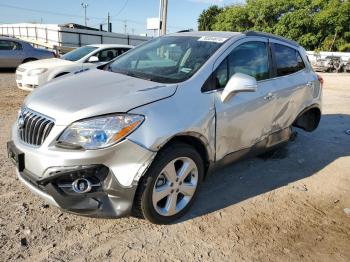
point(28, 59)
point(196, 140)
point(309, 118)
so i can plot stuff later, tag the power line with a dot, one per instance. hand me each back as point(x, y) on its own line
point(47, 12)
point(122, 9)
point(77, 16)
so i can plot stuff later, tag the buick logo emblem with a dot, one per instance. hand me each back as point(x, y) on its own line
point(20, 122)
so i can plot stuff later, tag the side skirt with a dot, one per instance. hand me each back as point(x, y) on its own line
point(273, 141)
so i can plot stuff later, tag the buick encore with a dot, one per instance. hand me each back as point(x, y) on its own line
point(138, 135)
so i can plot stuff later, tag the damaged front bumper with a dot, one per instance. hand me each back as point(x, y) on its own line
point(85, 189)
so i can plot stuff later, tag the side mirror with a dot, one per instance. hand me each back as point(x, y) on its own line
point(93, 59)
point(238, 83)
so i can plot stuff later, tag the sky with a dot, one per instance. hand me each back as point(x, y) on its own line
point(182, 14)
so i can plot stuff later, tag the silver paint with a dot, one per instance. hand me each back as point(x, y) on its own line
point(245, 120)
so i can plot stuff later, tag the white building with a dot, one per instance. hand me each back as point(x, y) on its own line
point(68, 36)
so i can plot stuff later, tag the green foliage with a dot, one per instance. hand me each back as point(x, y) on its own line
point(207, 18)
point(315, 24)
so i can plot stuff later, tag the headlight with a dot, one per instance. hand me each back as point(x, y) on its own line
point(37, 71)
point(100, 132)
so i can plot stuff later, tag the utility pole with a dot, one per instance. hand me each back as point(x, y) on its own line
point(160, 17)
point(164, 16)
point(109, 24)
point(125, 26)
point(84, 5)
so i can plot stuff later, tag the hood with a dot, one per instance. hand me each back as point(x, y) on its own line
point(92, 93)
point(46, 63)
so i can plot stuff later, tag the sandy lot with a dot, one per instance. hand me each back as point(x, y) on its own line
point(284, 208)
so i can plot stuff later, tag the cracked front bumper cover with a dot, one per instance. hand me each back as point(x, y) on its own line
point(106, 199)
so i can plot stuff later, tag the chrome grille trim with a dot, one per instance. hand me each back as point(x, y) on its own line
point(35, 127)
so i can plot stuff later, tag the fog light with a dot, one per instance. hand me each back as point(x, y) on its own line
point(81, 186)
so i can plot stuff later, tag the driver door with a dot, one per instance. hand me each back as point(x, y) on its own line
point(246, 118)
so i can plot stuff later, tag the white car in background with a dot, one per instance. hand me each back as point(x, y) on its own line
point(33, 74)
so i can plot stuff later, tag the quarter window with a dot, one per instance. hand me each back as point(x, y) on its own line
point(288, 60)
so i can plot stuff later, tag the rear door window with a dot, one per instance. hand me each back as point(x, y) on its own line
point(288, 60)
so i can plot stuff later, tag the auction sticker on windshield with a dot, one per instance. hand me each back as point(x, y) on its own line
point(212, 39)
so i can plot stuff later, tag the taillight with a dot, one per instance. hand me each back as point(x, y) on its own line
point(320, 78)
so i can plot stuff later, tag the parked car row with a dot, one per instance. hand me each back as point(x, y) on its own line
point(33, 74)
point(139, 134)
point(331, 64)
point(36, 66)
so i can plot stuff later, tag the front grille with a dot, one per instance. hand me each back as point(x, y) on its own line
point(33, 128)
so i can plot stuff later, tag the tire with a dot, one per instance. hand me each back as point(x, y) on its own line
point(160, 211)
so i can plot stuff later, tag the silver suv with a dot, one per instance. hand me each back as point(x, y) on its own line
point(139, 135)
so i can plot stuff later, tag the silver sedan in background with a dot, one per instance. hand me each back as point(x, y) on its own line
point(14, 52)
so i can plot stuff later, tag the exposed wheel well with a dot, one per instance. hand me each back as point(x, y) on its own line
point(308, 119)
point(29, 59)
point(192, 141)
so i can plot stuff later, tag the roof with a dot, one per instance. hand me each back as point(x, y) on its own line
point(13, 39)
point(209, 34)
point(9, 38)
point(78, 26)
point(272, 36)
point(225, 34)
point(111, 46)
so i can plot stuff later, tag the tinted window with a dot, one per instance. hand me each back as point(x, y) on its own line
point(123, 50)
point(288, 60)
point(78, 53)
point(169, 59)
point(107, 55)
point(250, 58)
point(9, 45)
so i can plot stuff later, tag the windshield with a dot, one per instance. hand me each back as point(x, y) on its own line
point(169, 59)
point(78, 53)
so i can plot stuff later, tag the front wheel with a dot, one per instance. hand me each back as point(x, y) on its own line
point(170, 185)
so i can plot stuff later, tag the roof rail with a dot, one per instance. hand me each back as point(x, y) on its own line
point(185, 31)
point(283, 39)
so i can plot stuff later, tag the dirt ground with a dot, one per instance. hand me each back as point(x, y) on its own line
point(289, 207)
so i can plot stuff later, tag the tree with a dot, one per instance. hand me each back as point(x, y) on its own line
point(315, 24)
point(208, 17)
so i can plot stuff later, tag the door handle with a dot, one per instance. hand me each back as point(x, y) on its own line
point(309, 84)
point(269, 96)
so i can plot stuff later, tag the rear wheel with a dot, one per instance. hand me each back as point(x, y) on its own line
point(171, 184)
